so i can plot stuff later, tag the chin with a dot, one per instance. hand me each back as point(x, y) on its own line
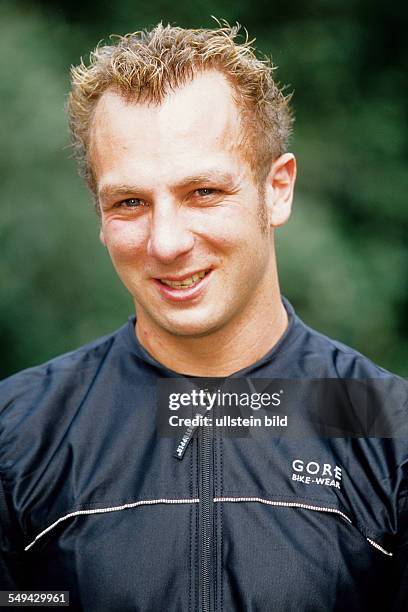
point(192, 327)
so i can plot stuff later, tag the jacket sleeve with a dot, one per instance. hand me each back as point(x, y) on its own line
point(401, 557)
point(11, 569)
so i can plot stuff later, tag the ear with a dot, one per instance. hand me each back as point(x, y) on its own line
point(102, 237)
point(279, 189)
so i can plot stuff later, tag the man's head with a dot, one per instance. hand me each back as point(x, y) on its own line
point(186, 212)
point(146, 66)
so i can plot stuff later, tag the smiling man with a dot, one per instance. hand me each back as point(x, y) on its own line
point(186, 222)
point(181, 136)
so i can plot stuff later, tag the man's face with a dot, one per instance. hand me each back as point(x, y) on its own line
point(180, 207)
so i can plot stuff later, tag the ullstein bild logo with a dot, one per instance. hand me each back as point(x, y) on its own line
point(312, 472)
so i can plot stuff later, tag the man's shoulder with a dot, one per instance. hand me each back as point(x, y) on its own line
point(78, 365)
point(339, 360)
point(349, 383)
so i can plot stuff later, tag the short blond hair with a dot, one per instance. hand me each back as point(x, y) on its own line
point(144, 66)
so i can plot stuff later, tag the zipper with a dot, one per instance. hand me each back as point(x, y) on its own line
point(206, 510)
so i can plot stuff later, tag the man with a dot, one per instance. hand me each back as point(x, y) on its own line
point(181, 136)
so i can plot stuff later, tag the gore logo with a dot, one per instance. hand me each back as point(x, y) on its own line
point(314, 472)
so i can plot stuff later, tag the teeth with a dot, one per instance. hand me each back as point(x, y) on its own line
point(187, 282)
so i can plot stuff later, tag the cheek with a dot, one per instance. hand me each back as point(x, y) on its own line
point(225, 226)
point(234, 234)
point(124, 239)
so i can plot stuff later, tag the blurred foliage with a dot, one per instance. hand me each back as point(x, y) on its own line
point(343, 256)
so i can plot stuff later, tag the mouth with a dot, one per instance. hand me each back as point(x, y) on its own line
point(183, 288)
point(183, 283)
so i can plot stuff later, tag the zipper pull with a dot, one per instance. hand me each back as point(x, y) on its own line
point(184, 442)
point(199, 420)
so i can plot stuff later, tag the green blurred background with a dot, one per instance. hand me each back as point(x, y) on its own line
point(344, 254)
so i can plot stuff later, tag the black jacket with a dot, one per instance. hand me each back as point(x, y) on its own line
point(94, 501)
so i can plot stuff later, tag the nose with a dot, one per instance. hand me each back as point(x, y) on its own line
point(169, 236)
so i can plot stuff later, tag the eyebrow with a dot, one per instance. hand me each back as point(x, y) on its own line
point(117, 189)
point(207, 177)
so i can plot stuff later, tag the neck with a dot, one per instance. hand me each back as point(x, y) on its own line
point(237, 345)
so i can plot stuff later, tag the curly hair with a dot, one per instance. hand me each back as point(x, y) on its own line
point(144, 66)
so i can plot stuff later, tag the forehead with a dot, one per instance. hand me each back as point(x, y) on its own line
point(194, 123)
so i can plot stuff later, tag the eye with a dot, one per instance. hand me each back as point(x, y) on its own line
point(132, 203)
point(205, 191)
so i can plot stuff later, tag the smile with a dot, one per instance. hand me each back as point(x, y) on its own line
point(184, 289)
point(186, 282)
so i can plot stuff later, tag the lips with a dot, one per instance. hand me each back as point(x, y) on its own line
point(190, 281)
point(184, 288)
